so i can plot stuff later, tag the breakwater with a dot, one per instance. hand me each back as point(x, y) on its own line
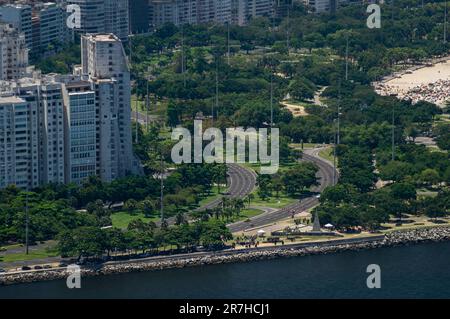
point(434, 234)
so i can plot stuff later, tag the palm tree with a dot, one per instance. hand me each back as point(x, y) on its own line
point(250, 197)
point(238, 204)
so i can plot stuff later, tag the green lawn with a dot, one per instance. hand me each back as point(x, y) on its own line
point(213, 195)
point(123, 219)
point(273, 202)
point(160, 109)
point(327, 154)
point(247, 213)
point(33, 254)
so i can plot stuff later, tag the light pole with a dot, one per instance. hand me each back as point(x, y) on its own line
point(445, 23)
point(228, 43)
point(393, 132)
point(27, 222)
point(346, 59)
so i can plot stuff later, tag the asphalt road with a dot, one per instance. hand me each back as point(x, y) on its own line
point(242, 182)
point(142, 117)
point(326, 172)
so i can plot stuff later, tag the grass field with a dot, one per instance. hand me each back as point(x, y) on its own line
point(160, 109)
point(33, 254)
point(123, 219)
point(273, 202)
point(327, 154)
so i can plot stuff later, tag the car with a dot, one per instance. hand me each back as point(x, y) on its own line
point(62, 265)
point(47, 266)
point(26, 268)
point(38, 267)
point(2, 270)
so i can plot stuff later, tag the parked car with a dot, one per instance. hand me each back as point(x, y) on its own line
point(2, 270)
point(38, 267)
point(26, 268)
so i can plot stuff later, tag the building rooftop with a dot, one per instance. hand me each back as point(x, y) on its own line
point(102, 37)
point(11, 100)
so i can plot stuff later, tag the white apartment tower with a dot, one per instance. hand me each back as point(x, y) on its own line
point(245, 10)
point(206, 11)
point(105, 63)
point(13, 53)
point(19, 160)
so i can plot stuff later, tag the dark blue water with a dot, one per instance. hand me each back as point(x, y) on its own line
point(421, 271)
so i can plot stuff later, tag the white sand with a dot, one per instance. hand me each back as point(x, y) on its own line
point(440, 71)
point(412, 85)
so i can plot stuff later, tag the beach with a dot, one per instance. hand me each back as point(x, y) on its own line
point(429, 82)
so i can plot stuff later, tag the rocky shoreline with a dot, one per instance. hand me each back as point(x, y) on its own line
point(422, 235)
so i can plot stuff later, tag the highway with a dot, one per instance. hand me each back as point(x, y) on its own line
point(326, 173)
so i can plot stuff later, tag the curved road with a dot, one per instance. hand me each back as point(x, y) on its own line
point(242, 182)
point(326, 173)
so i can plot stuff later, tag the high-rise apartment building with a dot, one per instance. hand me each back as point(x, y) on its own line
point(13, 53)
point(50, 26)
point(206, 11)
point(245, 10)
point(19, 161)
point(104, 16)
point(139, 14)
point(19, 16)
point(105, 63)
point(65, 128)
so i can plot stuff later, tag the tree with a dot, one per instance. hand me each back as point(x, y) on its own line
point(131, 206)
point(300, 177)
point(302, 89)
point(429, 176)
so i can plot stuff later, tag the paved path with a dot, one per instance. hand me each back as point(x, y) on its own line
point(326, 172)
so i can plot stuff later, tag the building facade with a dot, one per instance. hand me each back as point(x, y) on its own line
point(19, 161)
point(19, 16)
point(65, 128)
point(105, 63)
point(104, 16)
point(13, 53)
point(50, 26)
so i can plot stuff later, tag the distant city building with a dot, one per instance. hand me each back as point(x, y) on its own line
point(19, 16)
point(50, 26)
point(65, 128)
point(13, 53)
point(139, 15)
point(206, 11)
point(245, 10)
point(104, 16)
point(42, 23)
